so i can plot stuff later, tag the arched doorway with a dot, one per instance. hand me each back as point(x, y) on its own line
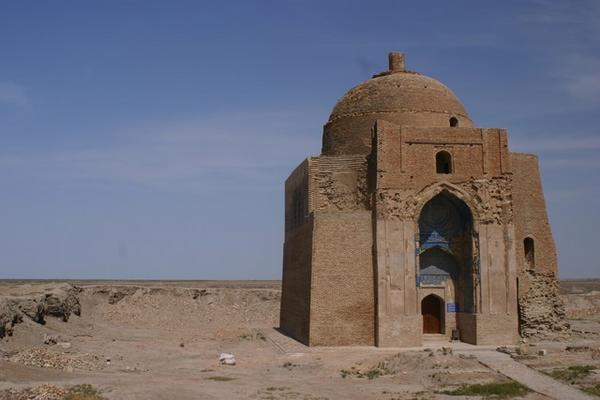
point(447, 264)
point(432, 310)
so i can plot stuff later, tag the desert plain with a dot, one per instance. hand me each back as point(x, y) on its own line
point(163, 340)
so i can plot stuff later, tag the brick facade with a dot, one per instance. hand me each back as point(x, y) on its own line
point(403, 174)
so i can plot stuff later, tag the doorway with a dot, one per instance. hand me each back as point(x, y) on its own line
point(432, 310)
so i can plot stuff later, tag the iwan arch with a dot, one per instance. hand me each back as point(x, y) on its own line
point(413, 221)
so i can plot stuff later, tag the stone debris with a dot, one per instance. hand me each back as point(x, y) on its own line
point(506, 350)
point(50, 339)
point(45, 358)
point(542, 352)
point(523, 349)
point(227, 359)
point(43, 392)
point(542, 309)
point(577, 349)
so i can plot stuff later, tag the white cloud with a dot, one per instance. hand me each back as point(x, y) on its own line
point(562, 152)
point(13, 94)
point(557, 12)
point(568, 33)
point(547, 144)
point(238, 148)
point(582, 76)
point(573, 162)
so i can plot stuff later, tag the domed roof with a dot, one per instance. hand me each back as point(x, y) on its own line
point(397, 96)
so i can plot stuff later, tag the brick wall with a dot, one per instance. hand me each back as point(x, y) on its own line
point(342, 287)
point(295, 285)
point(530, 216)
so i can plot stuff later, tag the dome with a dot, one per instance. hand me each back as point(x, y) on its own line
point(398, 96)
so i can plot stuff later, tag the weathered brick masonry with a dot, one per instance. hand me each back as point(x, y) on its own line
point(412, 221)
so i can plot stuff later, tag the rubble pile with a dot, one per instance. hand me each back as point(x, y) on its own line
point(46, 358)
point(541, 309)
point(43, 392)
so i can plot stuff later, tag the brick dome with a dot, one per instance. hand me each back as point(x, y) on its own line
point(398, 96)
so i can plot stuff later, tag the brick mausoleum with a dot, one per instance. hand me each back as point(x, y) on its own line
point(413, 221)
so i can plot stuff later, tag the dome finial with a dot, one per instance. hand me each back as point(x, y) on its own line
point(396, 62)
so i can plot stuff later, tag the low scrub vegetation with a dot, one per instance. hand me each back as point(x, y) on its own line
point(595, 390)
point(83, 392)
point(219, 378)
point(502, 390)
point(378, 371)
point(571, 374)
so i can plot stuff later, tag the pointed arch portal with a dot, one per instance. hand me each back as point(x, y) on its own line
point(445, 258)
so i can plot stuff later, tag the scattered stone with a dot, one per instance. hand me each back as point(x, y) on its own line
point(505, 350)
point(50, 339)
point(577, 349)
point(43, 392)
point(64, 345)
point(227, 359)
point(596, 354)
point(46, 358)
point(523, 349)
point(447, 351)
point(181, 344)
point(542, 352)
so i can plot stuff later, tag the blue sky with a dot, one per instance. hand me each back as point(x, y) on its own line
point(151, 139)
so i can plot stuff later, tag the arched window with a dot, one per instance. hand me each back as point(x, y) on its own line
point(453, 122)
point(443, 162)
point(529, 248)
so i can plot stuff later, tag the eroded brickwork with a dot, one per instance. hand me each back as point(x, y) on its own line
point(542, 311)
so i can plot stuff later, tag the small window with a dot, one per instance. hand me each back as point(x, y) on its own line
point(443, 162)
point(453, 122)
point(529, 248)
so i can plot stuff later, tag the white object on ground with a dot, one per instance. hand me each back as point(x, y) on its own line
point(227, 359)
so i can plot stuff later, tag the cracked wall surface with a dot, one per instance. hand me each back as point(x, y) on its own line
point(542, 312)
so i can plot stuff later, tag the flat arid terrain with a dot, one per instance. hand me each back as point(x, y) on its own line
point(163, 340)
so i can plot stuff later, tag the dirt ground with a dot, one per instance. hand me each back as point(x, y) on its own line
point(162, 340)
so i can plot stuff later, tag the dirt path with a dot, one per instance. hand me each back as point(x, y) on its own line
point(534, 380)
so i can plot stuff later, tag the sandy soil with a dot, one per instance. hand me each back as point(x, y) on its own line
point(162, 340)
